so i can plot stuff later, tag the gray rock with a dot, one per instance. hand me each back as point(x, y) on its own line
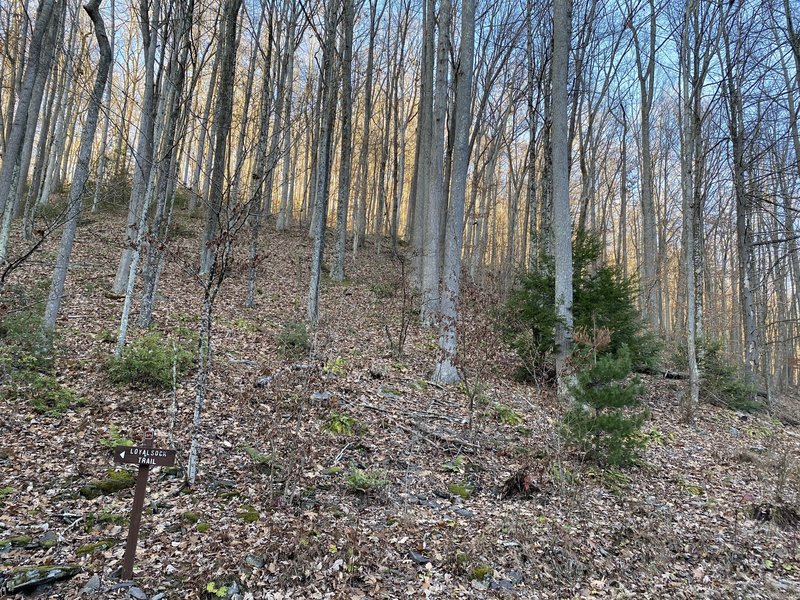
point(27, 578)
point(255, 561)
point(48, 540)
point(93, 585)
point(159, 596)
point(514, 576)
point(464, 512)
point(418, 558)
point(264, 381)
point(137, 592)
point(321, 396)
point(501, 584)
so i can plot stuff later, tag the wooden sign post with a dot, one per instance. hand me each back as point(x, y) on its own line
point(145, 456)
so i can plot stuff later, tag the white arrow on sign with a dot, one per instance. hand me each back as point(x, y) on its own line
point(122, 455)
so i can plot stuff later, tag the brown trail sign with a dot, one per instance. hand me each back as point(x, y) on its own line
point(145, 456)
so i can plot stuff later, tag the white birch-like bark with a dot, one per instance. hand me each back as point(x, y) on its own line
point(562, 221)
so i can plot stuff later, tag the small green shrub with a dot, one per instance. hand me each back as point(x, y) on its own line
point(365, 482)
point(115, 438)
point(337, 366)
point(382, 290)
point(506, 414)
point(147, 363)
point(263, 462)
point(191, 517)
point(605, 421)
point(721, 382)
point(604, 299)
point(26, 357)
point(21, 332)
point(293, 340)
point(462, 490)
point(342, 424)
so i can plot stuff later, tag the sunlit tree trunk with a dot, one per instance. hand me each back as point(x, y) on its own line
point(434, 206)
point(81, 172)
point(562, 222)
point(446, 370)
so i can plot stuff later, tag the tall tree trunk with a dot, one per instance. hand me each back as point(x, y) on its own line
point(646, 75)
point(424, 141)
point(363, 163)
point(144, 149)
point(222, 124)
point(329, 95)
point(39, 62)
point(446, 370)
point(431, 256)
point(218, 249)
point(562, 222)
point(81, 172)
point(337, 270)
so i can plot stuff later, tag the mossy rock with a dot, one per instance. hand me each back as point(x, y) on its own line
point(18, 541)
point(96, 546)
point(27, 578)
point(481, 572)
point(115, 481)
point(48, 540)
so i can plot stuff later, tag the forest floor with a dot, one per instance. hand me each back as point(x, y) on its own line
point(350, 475)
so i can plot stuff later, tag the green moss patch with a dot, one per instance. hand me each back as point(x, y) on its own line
point(95, 547)
point(248, 514)
point(115, 481)
point(18, 541)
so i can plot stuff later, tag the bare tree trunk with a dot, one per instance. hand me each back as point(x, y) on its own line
point(424, 141)
point(260, 167)
point(144, 150)
point(337, 270)
point(101, 163)
point(39, 62)
point(446, 370)
point(218, 225)
point(431, 256)
point(222, 126)
point(329, 96)
point(81, 172)
point(197, 196)
point(363, 163)
point(562, 222)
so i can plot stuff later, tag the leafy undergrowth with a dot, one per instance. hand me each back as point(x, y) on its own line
point(424, 491)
